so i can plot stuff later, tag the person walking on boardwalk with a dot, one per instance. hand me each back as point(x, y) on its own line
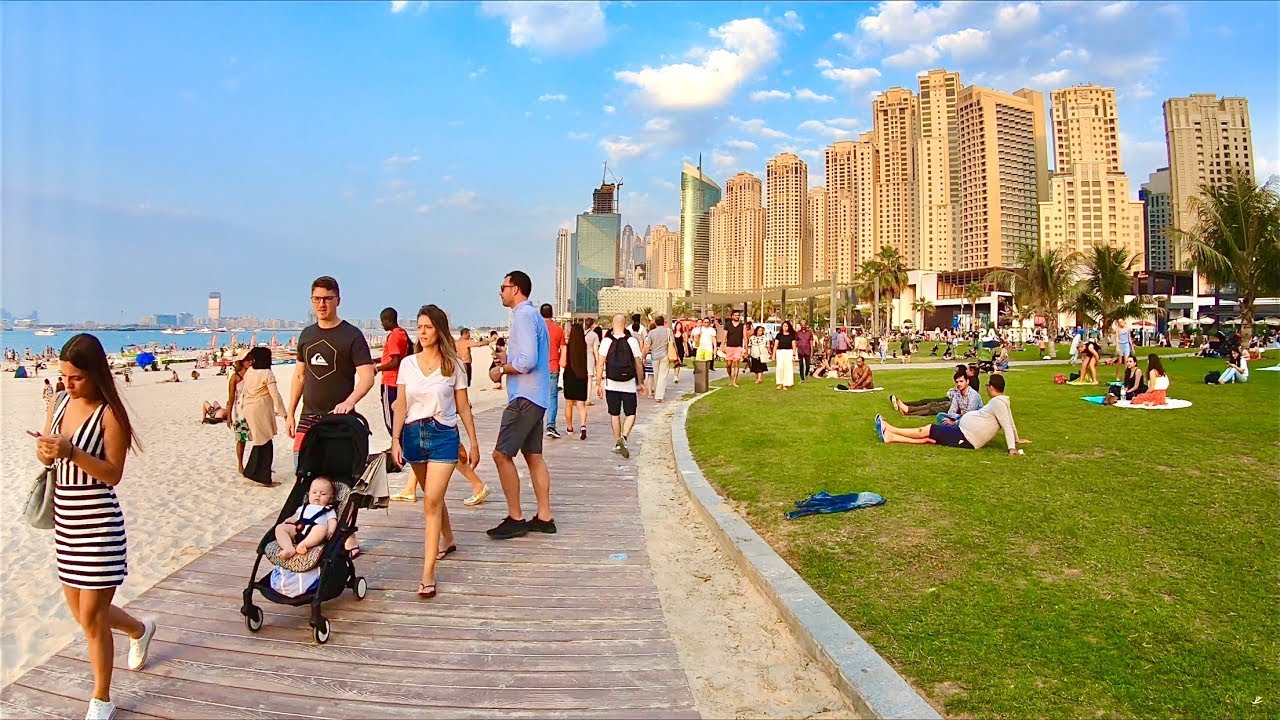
point(783, 350)
point(555, 338)
point(526, 365)
point(235, 420)
point(575, 377)
point(260, 403)
point(87, 435)
point(804, 350)
point(659, 346)
point(334, 370)
point(592, 335)
point(735, 346)
point(465, 343)
point(432, 398)
point(621, 364)
point(394, 350)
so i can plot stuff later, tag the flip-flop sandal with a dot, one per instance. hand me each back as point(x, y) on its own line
point(354, 552)
point(446, 552)
point(404, 498)
point(423, 591)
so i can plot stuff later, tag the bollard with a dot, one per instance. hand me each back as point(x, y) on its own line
point(701, 375)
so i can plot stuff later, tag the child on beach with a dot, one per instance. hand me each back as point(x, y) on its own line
point(312, 524)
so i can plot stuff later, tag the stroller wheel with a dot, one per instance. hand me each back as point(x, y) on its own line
point(361, 587)
point(253, 620)
point(322, 631)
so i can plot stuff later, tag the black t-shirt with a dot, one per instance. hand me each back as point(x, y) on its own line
point(733, 335)
point(785, 342)
point(331, 357)
point(975, 382)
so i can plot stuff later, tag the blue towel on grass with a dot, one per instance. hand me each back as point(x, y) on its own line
point(1095, 399)
point(824, 502)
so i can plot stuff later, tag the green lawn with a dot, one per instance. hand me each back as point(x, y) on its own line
point(1033, 353)
point(1127, 566)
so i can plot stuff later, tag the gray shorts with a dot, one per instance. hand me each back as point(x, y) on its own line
point(521, 429)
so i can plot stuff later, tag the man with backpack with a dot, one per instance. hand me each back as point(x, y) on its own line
point(621, 363)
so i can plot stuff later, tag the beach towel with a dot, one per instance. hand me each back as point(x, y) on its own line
point(1095, 399)
point(845, 389)
point(823, 503)
point(1170, 404)
point(1275, 368)
point(1077, 382)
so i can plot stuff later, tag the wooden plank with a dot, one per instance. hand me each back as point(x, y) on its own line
point(17, 701)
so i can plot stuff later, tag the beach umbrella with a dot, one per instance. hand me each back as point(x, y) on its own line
point(1207, 321)
point(145, 359)
point(1144, 323)
point(1233, 321)
point(1184, 321)
point(1272, 322)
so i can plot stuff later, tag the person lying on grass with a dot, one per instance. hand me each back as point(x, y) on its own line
point(860, 376)
point(971, 399)
point(974, 429)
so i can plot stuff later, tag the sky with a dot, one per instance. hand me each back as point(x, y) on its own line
point(418, 151)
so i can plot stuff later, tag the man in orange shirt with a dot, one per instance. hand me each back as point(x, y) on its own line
point(556, 336)
point(394, 349)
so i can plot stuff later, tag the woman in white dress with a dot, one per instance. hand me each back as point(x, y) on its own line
point(87, 435)
point(783, 354)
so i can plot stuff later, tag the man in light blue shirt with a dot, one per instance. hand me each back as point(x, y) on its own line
point(527, 365)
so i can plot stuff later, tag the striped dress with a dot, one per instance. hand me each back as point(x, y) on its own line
point(88, 524)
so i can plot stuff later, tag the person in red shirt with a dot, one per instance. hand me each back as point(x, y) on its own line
point(555, 334)
point(394, 349)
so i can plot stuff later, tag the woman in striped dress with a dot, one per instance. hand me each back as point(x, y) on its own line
point(86, 436)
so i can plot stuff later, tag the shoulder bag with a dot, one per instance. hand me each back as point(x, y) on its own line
point(39, 508)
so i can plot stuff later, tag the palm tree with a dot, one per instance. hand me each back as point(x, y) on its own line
point(972, 293)
point(1108, 278)
point(681, 308)
point(648, 314)
point(922, 306)
point(892, 273)
point(1046, 279)
point(1235, 238)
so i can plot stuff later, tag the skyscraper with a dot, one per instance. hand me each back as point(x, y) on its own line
point(1206, 137)
point(595, 250)
point(698, 192)
point(818, 233)
point(215, 307)
point(564, 269)
point(938, 170)
point(894, 112)
point(788, 240)
point(1089, 202)
point(851, 205)
point(662, 261)
point(1156, 195)
point(626, 250)
point(1003, 174)
point(737, 236)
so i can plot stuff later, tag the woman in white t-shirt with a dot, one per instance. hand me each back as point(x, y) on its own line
point(431, 397)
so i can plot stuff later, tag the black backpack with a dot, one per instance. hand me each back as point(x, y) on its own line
point(620, 363)
point(1211, 378)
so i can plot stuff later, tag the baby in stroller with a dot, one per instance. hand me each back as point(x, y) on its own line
point(312, 524)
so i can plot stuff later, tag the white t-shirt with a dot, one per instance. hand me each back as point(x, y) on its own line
point(430, 396)
point(618, 385)
point(707, 338)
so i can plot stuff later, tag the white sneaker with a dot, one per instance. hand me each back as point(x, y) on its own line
point(99, 710)
point(138, 648)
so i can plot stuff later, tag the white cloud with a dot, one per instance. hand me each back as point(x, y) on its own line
point(851, 78)
point(1265, 167)
point(664, 184)
point(398, 5)
point(553, 97)
point(765, 95)
point(913, 57)
point(609, 109)
point(1112, 11)
point(756, 127)
point(811, 96)
point(899, 23)
point(422, 209)
point(658, 125)
point(741, 145)
point(1136, 91)
point(477, 72)
point(623, 147)
point(1071, 55)
point(965, 44)
point(813, 154)
point(791, 21)
point(465, 199)
point(846, 122)
point(747, 46)
point(1052, 77)
point(578, 136)
point(723, 161)
point(555, 28)
point(1013, 19)
point(400, 160)
point(818, 127)
point(823, 64)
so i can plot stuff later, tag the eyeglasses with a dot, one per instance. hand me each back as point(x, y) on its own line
point(504, 287)
point(322, 299)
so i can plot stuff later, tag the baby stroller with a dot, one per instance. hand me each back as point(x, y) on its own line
point(337, 447)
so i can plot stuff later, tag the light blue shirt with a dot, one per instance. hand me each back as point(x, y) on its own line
point(529, 352)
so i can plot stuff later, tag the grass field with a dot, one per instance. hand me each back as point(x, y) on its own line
point(1127, 566)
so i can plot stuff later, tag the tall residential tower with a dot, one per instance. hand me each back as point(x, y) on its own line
point(894, 112)
point(737, 236)
point(788, 236)
point(938, 170)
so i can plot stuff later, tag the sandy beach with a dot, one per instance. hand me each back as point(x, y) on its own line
point(181, 495)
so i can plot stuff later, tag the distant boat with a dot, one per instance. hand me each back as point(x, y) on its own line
point(204, 331)
point(47, 332)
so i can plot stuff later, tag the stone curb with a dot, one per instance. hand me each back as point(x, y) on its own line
point(871, 684)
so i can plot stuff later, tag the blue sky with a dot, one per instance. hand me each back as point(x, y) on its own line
point(417, 151)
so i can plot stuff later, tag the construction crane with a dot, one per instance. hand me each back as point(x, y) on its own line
point(617, 182)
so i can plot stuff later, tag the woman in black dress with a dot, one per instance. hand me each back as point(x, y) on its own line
point(575, 378)
point(678, 339)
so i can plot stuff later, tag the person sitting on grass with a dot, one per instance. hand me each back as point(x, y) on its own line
point(1237, 368)
point(964, 400)
point(860, 375)
point(932, 406)
point(312, 524)
point(1158, 380)
point(1135, 382)
point(974, 430)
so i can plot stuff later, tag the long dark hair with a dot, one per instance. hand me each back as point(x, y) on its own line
point(444, 339)
point(577, 351)
point(86, 353)
point(260, 358)
point(787, 328)
point(1153, 363)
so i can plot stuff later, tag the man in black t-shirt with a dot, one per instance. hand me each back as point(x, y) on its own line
point(735, 346)
point(335, 368)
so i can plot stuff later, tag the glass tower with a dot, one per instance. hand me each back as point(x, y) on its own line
point(697, 194)
point(595, 258)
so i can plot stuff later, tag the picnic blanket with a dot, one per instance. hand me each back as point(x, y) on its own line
point(1171, 404)
point(864, 390)
point(1274, 368)
point(823, 503)
point(1095, 399)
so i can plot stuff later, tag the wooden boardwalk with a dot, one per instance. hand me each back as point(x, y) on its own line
point(566, 625)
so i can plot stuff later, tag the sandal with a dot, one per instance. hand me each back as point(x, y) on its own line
point(424, 592)
point(404, 498)
point(446, 552)
point(354, 552)
point(479, 497)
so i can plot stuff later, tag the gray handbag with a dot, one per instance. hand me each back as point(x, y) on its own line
point(39, 510)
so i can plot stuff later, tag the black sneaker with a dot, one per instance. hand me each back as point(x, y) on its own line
point(553, 433)
point(508, 529)
point(542, 526)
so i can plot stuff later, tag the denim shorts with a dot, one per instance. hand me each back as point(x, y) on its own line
point(429, 441)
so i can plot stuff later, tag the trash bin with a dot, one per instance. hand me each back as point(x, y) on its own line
point(701, 375)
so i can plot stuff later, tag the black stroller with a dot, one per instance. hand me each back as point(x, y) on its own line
point(337, 447)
